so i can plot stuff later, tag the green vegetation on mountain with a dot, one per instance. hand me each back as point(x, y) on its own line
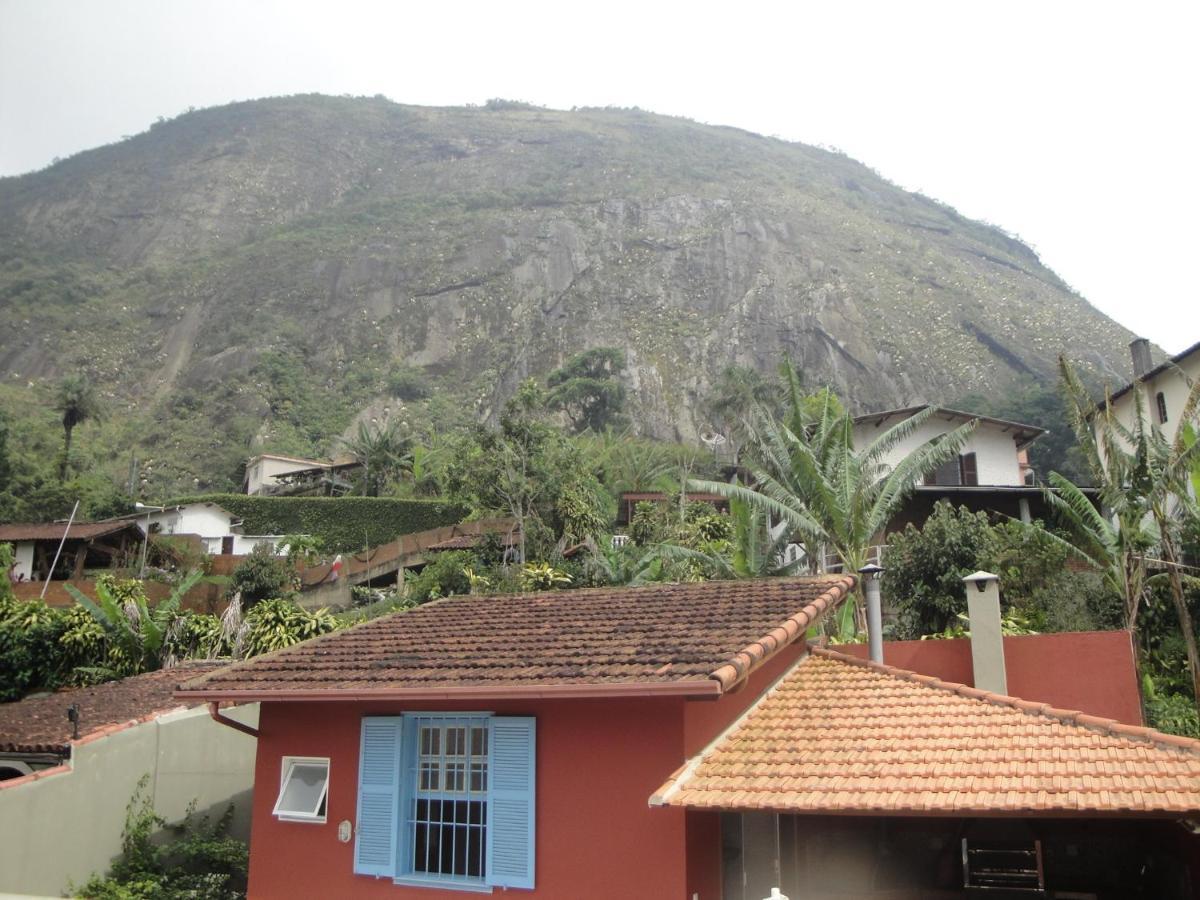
point(265, 275)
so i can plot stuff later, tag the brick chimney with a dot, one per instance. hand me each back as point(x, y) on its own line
point(987, 642)
point(1139, 349)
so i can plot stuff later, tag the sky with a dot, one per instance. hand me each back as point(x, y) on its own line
point(1072, 125)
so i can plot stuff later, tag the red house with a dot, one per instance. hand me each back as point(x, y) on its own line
point(508, 742)
point(677, 741)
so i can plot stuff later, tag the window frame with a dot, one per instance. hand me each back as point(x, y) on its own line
point(1160, 401)
point(410, 793)
point(320, 814)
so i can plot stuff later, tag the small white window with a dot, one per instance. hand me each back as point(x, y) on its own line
point(303, 784)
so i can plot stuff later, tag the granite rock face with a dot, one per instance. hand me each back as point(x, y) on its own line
point(485, 245)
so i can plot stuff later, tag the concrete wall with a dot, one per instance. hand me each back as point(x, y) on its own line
point(995, 450)
point(64, 824)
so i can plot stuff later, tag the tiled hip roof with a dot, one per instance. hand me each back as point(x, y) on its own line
point(668, 638)
point(40, 725)
point(842, 735)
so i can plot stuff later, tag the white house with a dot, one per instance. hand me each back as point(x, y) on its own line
point(995, 454)
point(1164, 387)
point(991, 473)
point(218, 529)
point(264, 471)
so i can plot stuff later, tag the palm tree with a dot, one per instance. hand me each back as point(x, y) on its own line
point(77, 401)
point(834, 497)
point(383, 452)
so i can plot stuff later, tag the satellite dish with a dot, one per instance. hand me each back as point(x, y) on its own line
point(712, 439)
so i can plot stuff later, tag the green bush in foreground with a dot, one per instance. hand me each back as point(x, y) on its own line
point(201, 862)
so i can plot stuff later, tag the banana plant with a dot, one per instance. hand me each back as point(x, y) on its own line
point(135, 632)
point(831, 495)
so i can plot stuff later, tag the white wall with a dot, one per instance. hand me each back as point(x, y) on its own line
point(23, 551)
point(211, 523)
point(64, 827)
point(995, 450)
point(265, 471)
point(1173, 383)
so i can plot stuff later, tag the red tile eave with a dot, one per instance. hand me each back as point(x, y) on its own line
point(697, 689)
point(750, 658)
point(966, 812)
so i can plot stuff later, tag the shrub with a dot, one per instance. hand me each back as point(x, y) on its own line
point(343, 524)
point(261, 574)
point(275, 624)
point(202, 861)
point(925, 568)
point(444, 576)
point(407, 383)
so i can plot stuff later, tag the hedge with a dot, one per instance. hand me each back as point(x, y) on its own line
point(342, 523)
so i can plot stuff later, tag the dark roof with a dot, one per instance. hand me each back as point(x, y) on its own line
point(684, 639)
point(1023, 434)
point(39, 724)
point(1151, 375)
point(20, 531)
point(842, 735)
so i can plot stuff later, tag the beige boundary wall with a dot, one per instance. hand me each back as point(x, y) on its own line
point(61, 825)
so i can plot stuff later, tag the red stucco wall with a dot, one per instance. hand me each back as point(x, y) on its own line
point(598, 761)
point(1091, 671)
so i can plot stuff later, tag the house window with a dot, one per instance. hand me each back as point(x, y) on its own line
point(958, 471)
point(447, 815)
point(1161, 402)
point(968, 469)
point(447, 799)
point(303, 785)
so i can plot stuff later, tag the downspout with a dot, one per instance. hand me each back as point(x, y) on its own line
point(214, 710)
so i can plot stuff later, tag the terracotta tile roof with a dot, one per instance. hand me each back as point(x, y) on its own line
point(39, 724)
point(841, 735)
point(54, 530)
point(667, 638)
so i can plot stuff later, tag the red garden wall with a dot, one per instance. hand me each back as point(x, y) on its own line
point(1090, 671)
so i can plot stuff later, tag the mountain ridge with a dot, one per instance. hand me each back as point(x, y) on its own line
point(254, 271)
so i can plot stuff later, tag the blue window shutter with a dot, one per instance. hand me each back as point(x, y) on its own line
point(511, 807)
point(378, 796)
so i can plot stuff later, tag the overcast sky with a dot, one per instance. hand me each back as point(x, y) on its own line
point(1073, 125)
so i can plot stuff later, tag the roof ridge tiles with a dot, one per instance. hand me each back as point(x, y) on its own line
point(755, 654)
point(1029, 707)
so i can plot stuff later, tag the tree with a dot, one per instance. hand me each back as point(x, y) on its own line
point(1143, 482)
point(588, 389)
point(836, 498)
point(382, 450)
point(76, 399)
point(5, 461)
point(529, 471)
point(738, 391)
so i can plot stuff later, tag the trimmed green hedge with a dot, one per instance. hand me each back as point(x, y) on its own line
point(342, 523)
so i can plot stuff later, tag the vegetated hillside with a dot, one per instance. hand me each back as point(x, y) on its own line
point(251, 275)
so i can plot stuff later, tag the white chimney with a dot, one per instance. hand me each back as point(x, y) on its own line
point(987, 641)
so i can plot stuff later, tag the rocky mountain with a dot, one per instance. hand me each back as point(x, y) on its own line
point(257, 275)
